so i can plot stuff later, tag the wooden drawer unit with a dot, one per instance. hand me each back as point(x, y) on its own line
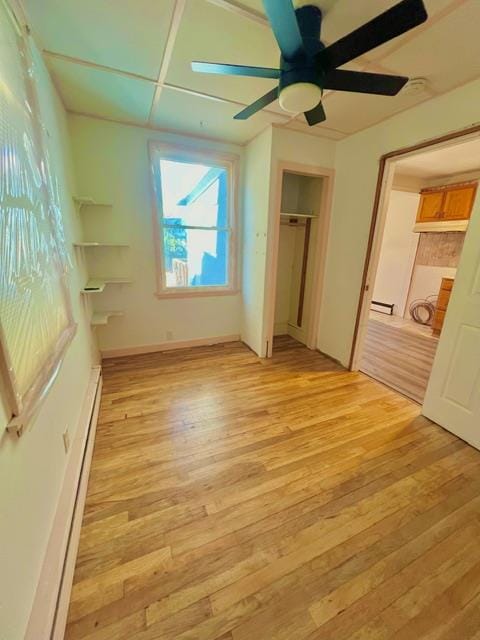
point(447, 284)
point(438, 320)
point(449, 203)
point(443, 299)
point(442, 304)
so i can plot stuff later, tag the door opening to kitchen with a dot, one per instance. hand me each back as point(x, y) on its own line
point(427, 212)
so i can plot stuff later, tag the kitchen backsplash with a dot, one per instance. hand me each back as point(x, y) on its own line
point(440, 249)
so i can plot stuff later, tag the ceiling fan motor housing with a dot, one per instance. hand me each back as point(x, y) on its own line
point(300, 80)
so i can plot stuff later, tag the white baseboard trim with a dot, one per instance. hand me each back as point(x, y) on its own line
point(297, 333)
point(280, 329)
point(167, 346)
point(50, 607)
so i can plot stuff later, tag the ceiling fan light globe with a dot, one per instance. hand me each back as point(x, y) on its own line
point(300, 97)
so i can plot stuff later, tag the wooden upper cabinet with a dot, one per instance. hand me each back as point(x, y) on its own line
point(459, 202)
point(430, 207)
point(447, 203)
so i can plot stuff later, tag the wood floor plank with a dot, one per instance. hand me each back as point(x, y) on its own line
point(398, 357)
point(285, 601)
point(234, 498)
point(425, 592)
point(464, 623)
point(442, 610)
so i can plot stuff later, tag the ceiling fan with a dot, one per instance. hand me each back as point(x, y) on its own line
point(307, 67)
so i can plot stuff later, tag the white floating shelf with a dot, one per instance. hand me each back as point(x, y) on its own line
point(100, 318)
point(100, 244)
point(94, 286)
point(84, 201)
point(97, 285)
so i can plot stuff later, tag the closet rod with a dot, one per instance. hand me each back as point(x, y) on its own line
point(297, 215)
point(297, 225)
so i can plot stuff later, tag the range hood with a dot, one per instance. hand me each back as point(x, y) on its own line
point(440, 226)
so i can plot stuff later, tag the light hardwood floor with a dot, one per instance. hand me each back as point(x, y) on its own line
point(233, 498)
point(399, 357)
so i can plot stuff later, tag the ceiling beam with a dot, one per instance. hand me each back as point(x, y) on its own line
point(210, 96)
point(97, 67)
point(165, 85)
point(145, 125)
point(177, 14)
point(241, 10)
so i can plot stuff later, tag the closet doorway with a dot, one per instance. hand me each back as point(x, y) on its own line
point(298, 250)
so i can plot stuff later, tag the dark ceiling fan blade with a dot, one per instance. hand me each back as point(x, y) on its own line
point(388, 25)
point(360, 82)
point(316, 115)
point(283, 20)
point(259, 104)
point(235, 70)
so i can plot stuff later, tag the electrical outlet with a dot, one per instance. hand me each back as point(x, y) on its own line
point(169, 335)
point(66, 440)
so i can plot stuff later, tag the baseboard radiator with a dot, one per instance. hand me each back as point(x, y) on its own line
point(50, 608)
point(382, 307)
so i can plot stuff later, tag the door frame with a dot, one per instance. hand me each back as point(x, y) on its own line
point(377, 226)
point(319, 251)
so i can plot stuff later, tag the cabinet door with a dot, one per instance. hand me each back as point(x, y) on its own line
point(458, 203)
point(430, 207)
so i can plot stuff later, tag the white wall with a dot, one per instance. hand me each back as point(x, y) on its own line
point(32, 468)
point(357, 159)
point(397, 255)
point(256, 189)
point(112, 165)
point(293, 146)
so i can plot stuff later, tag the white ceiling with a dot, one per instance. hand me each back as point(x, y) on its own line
point(459, 158)
point(129, 60)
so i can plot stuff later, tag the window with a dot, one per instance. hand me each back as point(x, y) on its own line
point(36, 322)
point(194, 223)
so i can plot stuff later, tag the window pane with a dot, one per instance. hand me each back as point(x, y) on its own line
point(194, 194)
point(195, 258)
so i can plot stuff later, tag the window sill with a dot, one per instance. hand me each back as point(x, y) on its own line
point(201, 293)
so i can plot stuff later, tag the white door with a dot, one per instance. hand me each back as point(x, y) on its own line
point(453, 394)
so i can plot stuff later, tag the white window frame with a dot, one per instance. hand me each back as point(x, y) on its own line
point(176, 153)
